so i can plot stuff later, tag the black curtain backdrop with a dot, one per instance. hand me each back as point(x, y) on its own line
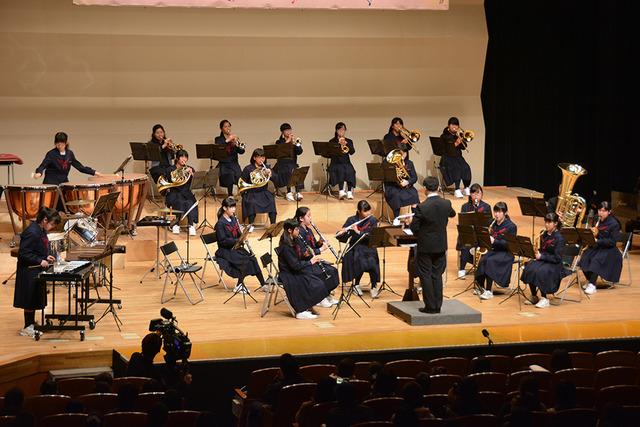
point(559, 86)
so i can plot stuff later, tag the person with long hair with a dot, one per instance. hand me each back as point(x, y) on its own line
point(474, 204)
point(394, 135)
point(180, 197)
point(301, 275)
point(341, 171)
point(33, 257)
point(237, 263)
point(403, 193)
point(165, 148)
point(285, 167)
point(454, 167)
point(604, 259)
point(360, 258)
point(310, 246)
point(496, 264)
point(229, 167)
point(258, 199)
point(545, 272)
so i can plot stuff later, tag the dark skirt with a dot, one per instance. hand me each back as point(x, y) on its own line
point(465, 257)
point(307, 288)
point(341, 172)
point(284, 169)
point(545, 276)
point(237, 263)
point(605, 262)
point(229, 174)
point(497, 267)
point(183, 201)
point(361, 259)
point(29, 292)
point(257, 201)
point(398, 197)
point(455, 169)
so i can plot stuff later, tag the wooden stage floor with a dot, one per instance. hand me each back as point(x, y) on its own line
point(220, 331)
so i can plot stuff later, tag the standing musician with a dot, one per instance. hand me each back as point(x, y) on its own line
point(496, 264)
point(361, 258)
point(400, 194)
point(455, 167)
point(604, 259)
point(394, 134)
point(310, 247)
point(237, 263)
point(229, 168)
point(258, 199)
point(475, 204)
point(546, 271)
point(341, 171)
point(429, 225)
point(159, 141)
point(304, 281)
point(179, 196)
point(285, 167)
point(33, 256)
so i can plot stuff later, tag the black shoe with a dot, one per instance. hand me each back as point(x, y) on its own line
point(428, 311)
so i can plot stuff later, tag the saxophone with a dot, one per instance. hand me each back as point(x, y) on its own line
point(480, 252)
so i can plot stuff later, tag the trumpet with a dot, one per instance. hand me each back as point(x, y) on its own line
point(466, 136)
point(238, 143)
point(171, 146)
point(412, 137)
point(343, 145)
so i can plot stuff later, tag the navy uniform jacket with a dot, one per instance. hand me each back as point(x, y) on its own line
point(307, 235)
point(397, 139)
point(448, 139)
point(297, 150)
point(56, 167)
point(344, 158)
point(498, 231)
point(483, 207)
point(232, 150)
point(34, 247)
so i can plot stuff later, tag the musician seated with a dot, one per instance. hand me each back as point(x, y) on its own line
point(285, 167)
point(341, 171)
point(165, 148)
point(546, 271)
point(360, 258)
point(237, 263)
point(229, 167)
point(394, 135)
point(303, 279)
point(402, 193)
point(604, 259)
point(454, 167)
point(475, 204)
point(256, 197)
point(313, 247)
point(179, 196)
point(33, 258)
point(496, 265)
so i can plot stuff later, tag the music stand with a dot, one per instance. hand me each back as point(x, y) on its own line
point(270, 232)
point(201, 181)
point(212, 152)
point(144, 152)
point(379, 238)
point(297, 178)
point(437, 147)
point(519, 246)
point(533, 207)
point(329, 151)
point(389, 146)
point(376, 147)
point(388, 175)
point(346, 296)
point(241, 287)
point(104, 207)
point(374, 173)
point(473, 236)
point(474, 219)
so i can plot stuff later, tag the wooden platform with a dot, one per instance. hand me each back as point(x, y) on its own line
point(229, 331)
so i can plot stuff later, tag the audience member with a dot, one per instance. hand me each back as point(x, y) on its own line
point(347, 410)
point(424, 380)
point(480, 364)
point(49, 387)
point(565, 395)
point(289, 374)
point(463, 399)
point(127, 395)
point(13, 402)
point(157, 415)
point(141, 364)
point(560, 359)
point(413, 398)
point(324, 393)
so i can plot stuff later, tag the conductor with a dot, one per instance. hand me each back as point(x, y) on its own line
point(429, 225)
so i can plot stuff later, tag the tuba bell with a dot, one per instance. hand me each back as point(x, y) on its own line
point(570, 205)
point(395, 158)
point(259, 178)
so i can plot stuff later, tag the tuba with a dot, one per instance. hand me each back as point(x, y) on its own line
point(259, 177)
point(570, 205)
point(179, 177)
point(395, 158)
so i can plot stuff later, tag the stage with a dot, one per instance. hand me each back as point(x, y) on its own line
point(226, 331)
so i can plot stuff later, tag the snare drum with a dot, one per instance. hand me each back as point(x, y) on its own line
point(90, 191)
point(133, 192)
point(24, 201)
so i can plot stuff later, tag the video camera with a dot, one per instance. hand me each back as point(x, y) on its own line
point(175, 343)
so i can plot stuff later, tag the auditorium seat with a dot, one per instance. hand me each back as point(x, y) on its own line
point(497, 362)
point(490, 381)
point(384, 407)
point(145, 401)
point(362, 371)
point(99, 403)
point(289, 400)
point(402, 381)
point(75, 387)
point(544, 379)
point(540, 418)
point(631, 415)
point(582, 359)
point(523, 361)
point(64, 420)
point(481, 420)
point(373, 424)
point(42, 405)
point(436, 404)
point(316, 373)
point(616, 375)
point(138, 382)
point(619, 394)
point(182, 418)
point(317, 414)
point(6, 420)
point(408, 367)
point(440, 384)
point(585, 397)
point(363, 389)
point(579, 377)
point(432, 422)
point(606, 359)
point(576, 417)
point(492, 402)
point(128, 419)
point(259, 380)
point(454, 365)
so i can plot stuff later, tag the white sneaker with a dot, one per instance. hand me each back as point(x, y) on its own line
point(240, 289)
point(332, 300)
point(375, 293)
point(487, 294)
point(299, 196)
point(176, 229)
point(303, 315)
point(467, 191)
point(325, 303)
point(192, 230)
point(462, 274)
point(29, 331)
point(358, 290)
point(543, 303)
point(341, 195)
point(458, 194)
point(289, 197)
point(349, 195)
point(590, 289)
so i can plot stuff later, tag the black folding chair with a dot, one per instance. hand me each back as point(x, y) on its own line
point(209, 239)
point(179, 272)
point(625, 239)
point(570, 264)
point(273, 287)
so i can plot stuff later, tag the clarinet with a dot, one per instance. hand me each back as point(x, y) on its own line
point(333, 251)
point(308, 248)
